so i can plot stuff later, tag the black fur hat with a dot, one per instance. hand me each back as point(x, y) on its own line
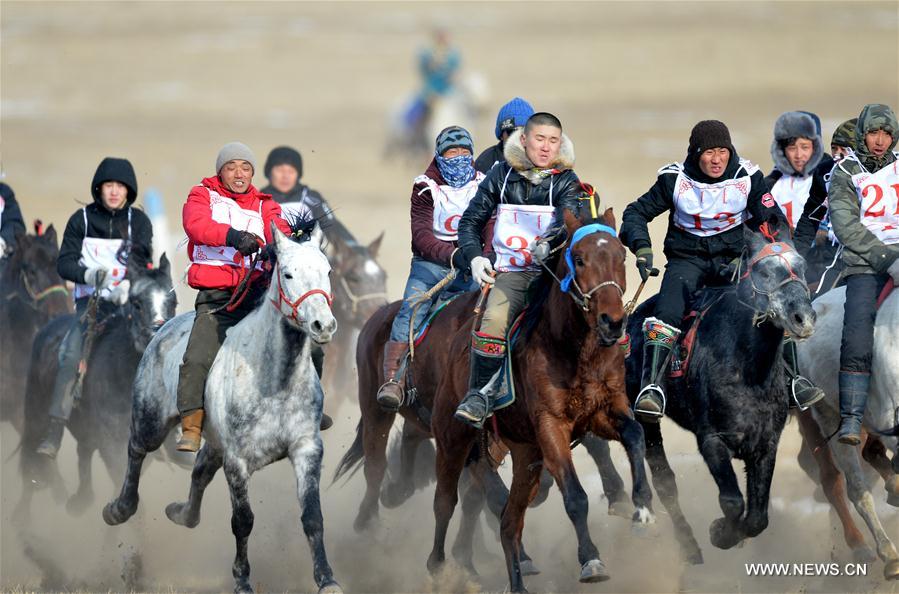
point(709, 134)
point(788, 127)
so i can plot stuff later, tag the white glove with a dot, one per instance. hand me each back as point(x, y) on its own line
point(119, 293)
point(482, 270)
point(539, 250)
point(98, 277)
point(893, 271)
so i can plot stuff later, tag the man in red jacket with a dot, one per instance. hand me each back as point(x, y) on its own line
point(226, 220)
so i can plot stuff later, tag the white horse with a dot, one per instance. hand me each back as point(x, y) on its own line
point(263, 402)
point(820, 358)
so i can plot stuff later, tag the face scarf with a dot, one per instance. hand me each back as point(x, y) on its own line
point(456, 171)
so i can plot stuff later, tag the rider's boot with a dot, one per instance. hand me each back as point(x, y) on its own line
point(390, 394)
point(62, 400)
point(191, 430)
point(658, 340)
point(853, 397)
point(803, 393)
point(50, 445)
point(488, 354)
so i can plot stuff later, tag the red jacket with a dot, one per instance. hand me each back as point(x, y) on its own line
point(201, 229)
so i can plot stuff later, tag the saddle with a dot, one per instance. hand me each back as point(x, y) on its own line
point(680, 360)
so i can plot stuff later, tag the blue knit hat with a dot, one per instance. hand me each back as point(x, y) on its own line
point(513, 114)
point(452, 137)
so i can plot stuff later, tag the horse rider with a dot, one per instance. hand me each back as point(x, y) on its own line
point(439, 197)
point(513, 114)
point(437, 65)
point(710, 196)
point(95, 251)
point(864, 193)
point(227, 220)
point(528, 194)
point(11, 221)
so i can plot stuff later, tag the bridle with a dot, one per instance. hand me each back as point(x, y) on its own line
point(295, 305)
point(777, 249)
point(355, 300)
point(37, 296)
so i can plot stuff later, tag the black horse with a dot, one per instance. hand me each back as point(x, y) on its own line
point(32, 294)
point(733, 395)
point(100, 422)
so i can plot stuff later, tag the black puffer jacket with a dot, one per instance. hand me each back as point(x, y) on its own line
point(11, 221)
point(318, 206)
point(491, 156)
point(520, 189)
point(683, 244)
point(105, 224)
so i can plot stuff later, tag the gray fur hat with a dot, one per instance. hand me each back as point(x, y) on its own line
point(234, 151)
point(788, 127)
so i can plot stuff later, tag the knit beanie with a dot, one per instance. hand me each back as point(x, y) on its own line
point(284, 155)
point(452, 137)
point(234, 151)
point(844, 135)
point(513, 114)
point(709, 134)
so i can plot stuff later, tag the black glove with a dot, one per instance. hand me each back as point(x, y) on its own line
point(243, 241)
point(460, 262)
point(644, 262)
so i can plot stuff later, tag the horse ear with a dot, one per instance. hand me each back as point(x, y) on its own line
point(375, 246)
point(608, 217)
point(50, 234)
point(572, 223)
point(164, 264)
point(318, 236)
point(280, 238)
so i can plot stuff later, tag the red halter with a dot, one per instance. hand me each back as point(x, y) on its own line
point(295, 305)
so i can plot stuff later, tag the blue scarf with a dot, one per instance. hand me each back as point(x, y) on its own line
point(456, 171)
point(585, 230)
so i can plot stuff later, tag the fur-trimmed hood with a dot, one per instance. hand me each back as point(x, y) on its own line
point(518, 159)
point(796, 124)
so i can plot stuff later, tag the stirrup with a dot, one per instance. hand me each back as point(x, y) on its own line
point(804, 381)
point(477, 423)
point(645, 394)
point(390, 406)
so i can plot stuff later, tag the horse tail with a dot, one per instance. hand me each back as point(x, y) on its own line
point(352, 460)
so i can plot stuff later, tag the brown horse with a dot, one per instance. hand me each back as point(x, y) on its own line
point(569, 379)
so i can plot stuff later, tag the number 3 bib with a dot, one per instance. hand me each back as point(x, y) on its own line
point(517, 227)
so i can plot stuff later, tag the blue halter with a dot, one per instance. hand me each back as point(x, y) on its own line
point(578, 235)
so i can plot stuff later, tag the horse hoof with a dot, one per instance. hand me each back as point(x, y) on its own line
point(528, 568)
point(243, 589)
point(434, 564)
point(891, 570)
point(395, 494)
point(694, 557)
point(78, 504)
point(864, 554)
point(177, 513)
point(621, 508)
point(593, 571)
point(114, 514)
point(722, 535)
point(331, 588)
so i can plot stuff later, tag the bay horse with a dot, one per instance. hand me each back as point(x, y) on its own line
point(263, 401)
point(31, 294)
point(100, 421)
point(569, 380)
point(733, 395)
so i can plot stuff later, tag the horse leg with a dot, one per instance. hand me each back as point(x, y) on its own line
point(724, 532)
point(831, 481)
point(238, 478)
point(631, 435)
point(306, 458)
point(666, 486)
point(612, 484)
point(554, 440)
point(759, 472)
point(398, 491)
point(875, 454)
point(123, 507)
point(375, 433)
point(525, 480)
point(473, 502)
point(84, 496)
point(187, 513)
point(449, 465)
point(848, 461)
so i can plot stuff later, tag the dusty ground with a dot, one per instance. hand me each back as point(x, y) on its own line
point(167, 84)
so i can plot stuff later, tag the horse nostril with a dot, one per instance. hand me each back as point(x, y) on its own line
point(800, 321)
point(332, 325)
point(317, 326)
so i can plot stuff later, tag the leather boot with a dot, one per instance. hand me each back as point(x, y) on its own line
point(390, 394)
point(191, 431)
point(658, 340)
point(853, 397)
point(803, 393)
point(485, 363)
point(52, 440)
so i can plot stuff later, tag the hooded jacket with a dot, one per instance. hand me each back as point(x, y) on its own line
point(11, 221)
point(201, 229)
point(525, 186)
point(679, 243)
point(863, 252)
point(103, 223)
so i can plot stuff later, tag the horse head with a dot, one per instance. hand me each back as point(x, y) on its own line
point(30, 273)
point(151, 299)
point(301, 288)
point(593, 265)
point(773, 283)
point(361, 282)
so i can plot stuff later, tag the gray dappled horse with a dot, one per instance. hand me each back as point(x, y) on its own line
point(263, 402)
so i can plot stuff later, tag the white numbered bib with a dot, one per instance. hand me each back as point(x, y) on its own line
point(517, 227)
point(227, 211)
point(791, 193)
point(709, 209)
point(878, 194)
point(449, 205)
point(101, 253)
